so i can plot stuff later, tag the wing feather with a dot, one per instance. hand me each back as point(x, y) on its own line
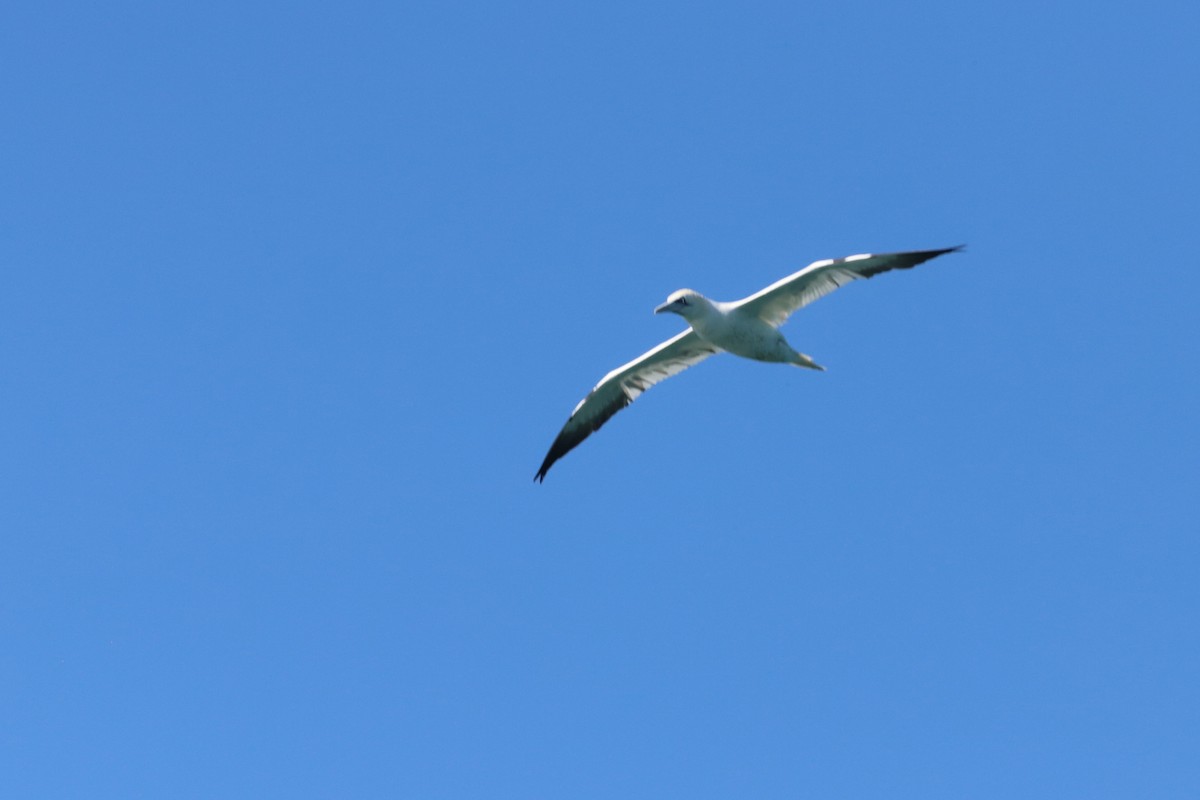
point(621, 387)
point(778, 301)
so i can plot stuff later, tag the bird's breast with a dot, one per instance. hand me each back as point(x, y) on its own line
point(749, 338)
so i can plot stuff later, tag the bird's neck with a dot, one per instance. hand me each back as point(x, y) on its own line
point(706, 317)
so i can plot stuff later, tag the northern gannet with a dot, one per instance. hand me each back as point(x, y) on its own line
point(747, 328)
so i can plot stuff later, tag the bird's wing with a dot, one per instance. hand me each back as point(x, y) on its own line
point(776, 303)
point(621, 387)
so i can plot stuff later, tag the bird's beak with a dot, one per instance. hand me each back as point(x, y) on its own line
point(663, 307)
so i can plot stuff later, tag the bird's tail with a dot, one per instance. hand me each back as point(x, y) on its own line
point(804, 361)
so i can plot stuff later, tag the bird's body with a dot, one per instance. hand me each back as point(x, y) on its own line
point(747, 328)
point(733, 330)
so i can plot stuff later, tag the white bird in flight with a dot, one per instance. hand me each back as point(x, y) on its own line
point(747, 328)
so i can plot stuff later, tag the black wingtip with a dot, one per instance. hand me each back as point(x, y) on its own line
point(551, 457)
point(925, 255)
point(928, 254)
point(906, 260)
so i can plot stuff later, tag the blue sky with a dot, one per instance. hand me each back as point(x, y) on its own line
point(296, 296)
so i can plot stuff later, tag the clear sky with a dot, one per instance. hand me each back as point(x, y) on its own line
point(295, 297)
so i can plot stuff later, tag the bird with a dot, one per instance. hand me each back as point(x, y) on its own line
point(748, 328)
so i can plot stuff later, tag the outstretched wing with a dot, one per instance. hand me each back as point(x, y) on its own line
point(621, 387)
point(776, 303)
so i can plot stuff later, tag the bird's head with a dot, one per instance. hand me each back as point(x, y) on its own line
point(684, 302)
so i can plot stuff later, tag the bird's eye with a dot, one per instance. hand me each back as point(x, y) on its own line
point(682, 301)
